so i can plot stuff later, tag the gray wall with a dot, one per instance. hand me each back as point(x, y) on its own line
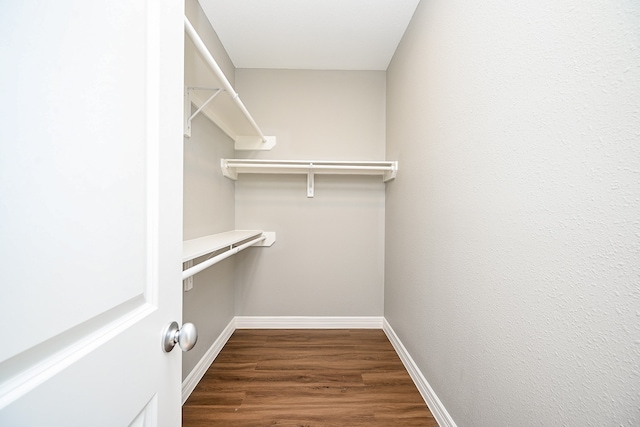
point(513, 228)
point(208, 204)
point(329, 254)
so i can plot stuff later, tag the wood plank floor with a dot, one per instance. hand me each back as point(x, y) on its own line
point(307, 378)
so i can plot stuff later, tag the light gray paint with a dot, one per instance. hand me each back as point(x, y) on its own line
point(328, 257)
point(201, 23)
point(513, 228)
point(208, 209)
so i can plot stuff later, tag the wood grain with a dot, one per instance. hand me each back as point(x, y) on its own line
point(307, 378)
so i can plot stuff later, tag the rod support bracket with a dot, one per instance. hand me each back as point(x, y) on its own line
point(310, 182)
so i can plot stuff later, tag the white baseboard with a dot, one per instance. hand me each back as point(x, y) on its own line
point(435, 405)
point(308, 322)
point(198, 371)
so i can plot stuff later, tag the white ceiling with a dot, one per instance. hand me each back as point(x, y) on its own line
point(310, 34)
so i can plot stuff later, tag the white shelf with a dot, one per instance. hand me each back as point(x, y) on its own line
point(212, 94)
point(232, 167)
point(233, 241)
point(195, 248)
point(386, 169)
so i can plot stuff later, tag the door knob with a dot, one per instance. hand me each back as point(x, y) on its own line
point(185, 337)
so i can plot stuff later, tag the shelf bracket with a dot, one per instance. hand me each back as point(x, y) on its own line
point(391, 174)
point(270, 239)
point(188, 282)
point(254, 143)
point(227, 171)
point(310, 181)
point(188, 117)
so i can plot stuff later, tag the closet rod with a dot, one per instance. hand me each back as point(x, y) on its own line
point(216, 259)
point(202, 48)
point(312, 165)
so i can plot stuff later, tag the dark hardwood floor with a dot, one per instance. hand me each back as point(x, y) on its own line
point(307, 378)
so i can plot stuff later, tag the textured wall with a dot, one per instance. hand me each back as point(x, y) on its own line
point(208, 206)
point(202, 76)
point(512, 269)
point(208, 209)
point(328, 257)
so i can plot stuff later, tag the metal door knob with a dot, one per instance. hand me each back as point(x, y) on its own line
point(186, 337)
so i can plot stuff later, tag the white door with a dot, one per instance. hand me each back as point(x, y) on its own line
point(90, 211)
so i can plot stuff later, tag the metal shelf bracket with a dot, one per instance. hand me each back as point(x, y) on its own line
point(187, 106)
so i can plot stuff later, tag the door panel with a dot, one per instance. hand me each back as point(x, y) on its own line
point(63, 167)
point(90, 210)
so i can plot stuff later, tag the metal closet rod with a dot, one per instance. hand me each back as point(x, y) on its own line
point(312, 165)
point(202, 48)
point(216, 259)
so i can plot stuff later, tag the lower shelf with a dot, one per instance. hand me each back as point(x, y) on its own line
point(231, 242)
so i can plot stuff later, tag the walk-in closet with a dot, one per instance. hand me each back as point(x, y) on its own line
point(305, 169)
point(427, 211)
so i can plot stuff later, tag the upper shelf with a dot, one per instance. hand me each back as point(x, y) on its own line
point(217, 99)
point(232, 167)
point(386, 169)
